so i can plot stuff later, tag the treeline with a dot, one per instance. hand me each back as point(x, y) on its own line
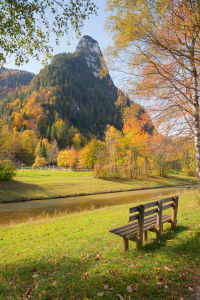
point(132, 153)
point(23, 147)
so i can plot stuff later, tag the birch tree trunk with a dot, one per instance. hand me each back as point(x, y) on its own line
point(196, 122)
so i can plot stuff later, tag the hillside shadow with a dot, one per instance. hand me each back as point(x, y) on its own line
point(17, 191)
point(157, 180)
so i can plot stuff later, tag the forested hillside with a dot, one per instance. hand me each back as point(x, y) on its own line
point(67, 91)
point(12, 80)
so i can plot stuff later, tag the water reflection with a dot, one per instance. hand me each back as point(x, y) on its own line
point(11, 213)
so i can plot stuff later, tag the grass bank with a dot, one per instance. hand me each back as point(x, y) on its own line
point(75, 257)
point(30, 184)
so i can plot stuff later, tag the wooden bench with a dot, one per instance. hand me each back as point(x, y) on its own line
point(137, 231)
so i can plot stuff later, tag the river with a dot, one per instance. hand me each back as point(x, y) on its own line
point(11, 213)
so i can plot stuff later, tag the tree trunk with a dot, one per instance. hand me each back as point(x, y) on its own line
point(196, 122)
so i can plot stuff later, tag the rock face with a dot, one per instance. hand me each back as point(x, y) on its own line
point(92, 53)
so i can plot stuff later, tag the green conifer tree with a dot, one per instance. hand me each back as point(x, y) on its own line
point(53, 132)
point(62, 136)
point(44, 152)
point(40, 152)
point(49, 134)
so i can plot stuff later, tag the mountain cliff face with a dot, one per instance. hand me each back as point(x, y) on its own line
point(91, 51)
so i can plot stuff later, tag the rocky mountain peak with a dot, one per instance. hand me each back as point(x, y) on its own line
point(91, 51)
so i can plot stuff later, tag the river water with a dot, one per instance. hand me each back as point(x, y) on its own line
point(11, 213)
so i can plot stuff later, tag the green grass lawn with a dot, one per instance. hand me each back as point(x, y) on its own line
point(75, 257)
point(30, 184)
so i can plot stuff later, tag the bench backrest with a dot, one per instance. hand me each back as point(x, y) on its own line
point(159, 208)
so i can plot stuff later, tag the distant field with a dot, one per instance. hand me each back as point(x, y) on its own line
point(74, 256)
point(30, 184)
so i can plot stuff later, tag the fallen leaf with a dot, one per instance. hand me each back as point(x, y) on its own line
point(195, 277)
point(129, 289)
point(98, 257)
point(160, 283)
point(168, 269)
point(136, 287)
point(190, 289)
point(105, 286)
point(100, 294)
point(54, 283)
point(28, 292)
point(86, 275)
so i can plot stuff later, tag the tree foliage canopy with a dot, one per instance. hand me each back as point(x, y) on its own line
point(158, 41)
point(25, 25)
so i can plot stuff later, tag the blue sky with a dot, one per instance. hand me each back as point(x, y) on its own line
point(92, 27)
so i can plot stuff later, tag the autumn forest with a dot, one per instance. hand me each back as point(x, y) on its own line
point(69, 116)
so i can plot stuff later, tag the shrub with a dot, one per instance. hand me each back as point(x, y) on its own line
point(7, 170)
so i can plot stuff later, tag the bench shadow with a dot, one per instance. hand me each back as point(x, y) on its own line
point(167, 235)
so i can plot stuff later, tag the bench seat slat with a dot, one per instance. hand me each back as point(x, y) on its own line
point(135, 228)
point(132, 228)
point(114, 230)
point(126, 229)
point(147, 227)
point(121, 227)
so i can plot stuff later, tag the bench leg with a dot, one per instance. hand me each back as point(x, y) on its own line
point(125, 244)
point(145, 236)
point(174, 212)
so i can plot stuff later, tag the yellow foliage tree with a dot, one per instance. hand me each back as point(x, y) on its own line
point(67, 157)
point(76, 141)
point(40, 162)
point(89, 155)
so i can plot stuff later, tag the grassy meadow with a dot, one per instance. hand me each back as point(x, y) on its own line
point(31, 184)
point(74, 256)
